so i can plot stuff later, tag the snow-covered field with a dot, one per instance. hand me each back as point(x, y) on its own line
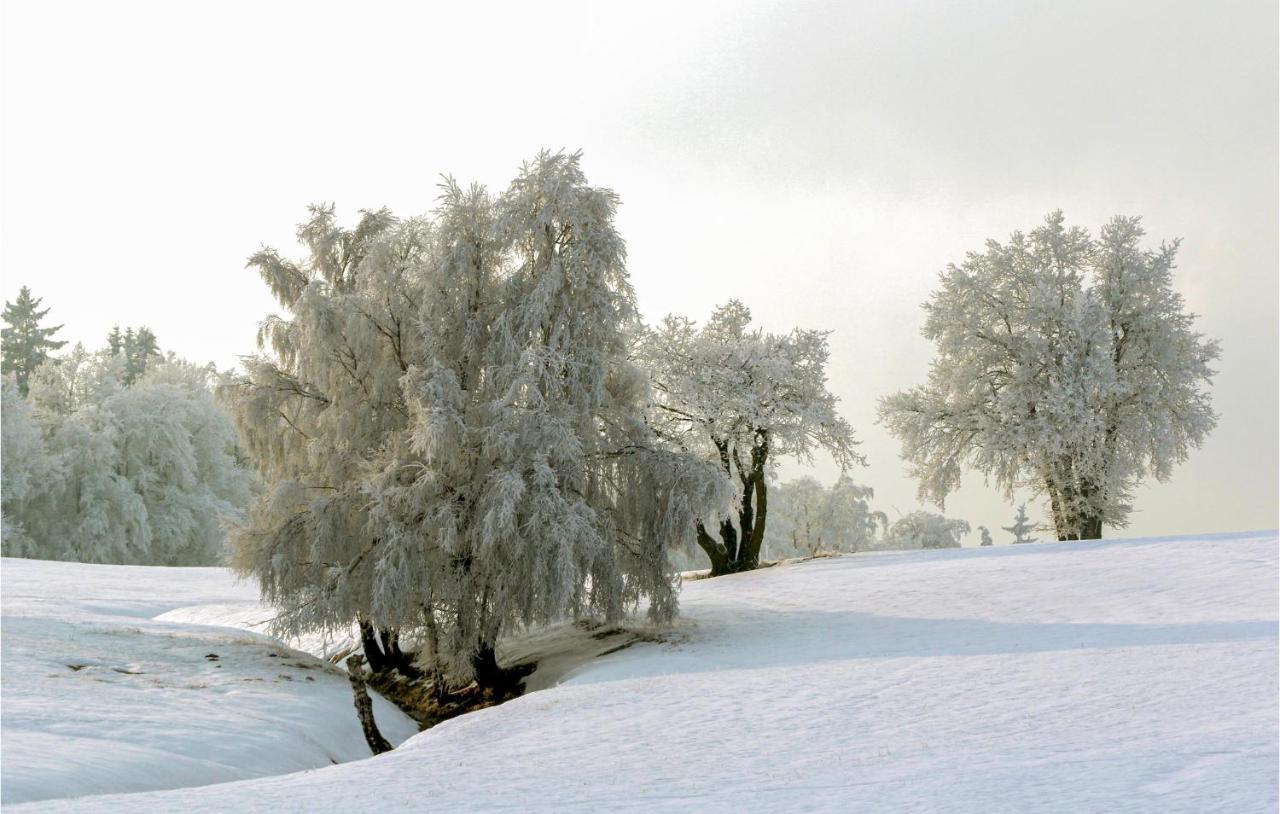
point(96, 695)
point(1114, 676)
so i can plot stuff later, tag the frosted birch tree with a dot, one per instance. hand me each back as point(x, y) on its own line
point(494, 469)
point(1066, 364)
point(315, 407)
point(741, 399)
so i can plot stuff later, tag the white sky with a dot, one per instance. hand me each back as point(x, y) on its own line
point(820, 161)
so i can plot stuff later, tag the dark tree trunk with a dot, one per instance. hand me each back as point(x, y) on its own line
point(364, 706)
point(382, 651)
point(738, 548)
point(373, 655)
point(715, 551)
point(496, 680)
point(485, 665)
point(1092, 529)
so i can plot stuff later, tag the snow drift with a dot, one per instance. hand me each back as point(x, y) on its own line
point(1134, 675)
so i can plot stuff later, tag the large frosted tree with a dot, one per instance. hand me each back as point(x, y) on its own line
point(26, 344)
point(315, 406)
point(742, 398)
point(453, 438)
point(1067, 364)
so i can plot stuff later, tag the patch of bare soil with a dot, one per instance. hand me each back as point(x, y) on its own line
point(422, 701)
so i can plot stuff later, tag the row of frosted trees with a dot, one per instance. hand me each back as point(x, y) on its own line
point(118, 458)
point(462, 426)
point(454, 436)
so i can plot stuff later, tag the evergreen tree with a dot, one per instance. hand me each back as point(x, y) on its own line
point(985, 536)
point(26, 344)
point(1021, 527)
point(138, 350)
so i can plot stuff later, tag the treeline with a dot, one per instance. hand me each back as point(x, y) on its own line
point(114, 456)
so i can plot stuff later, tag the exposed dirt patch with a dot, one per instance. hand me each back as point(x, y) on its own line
point(423, 702)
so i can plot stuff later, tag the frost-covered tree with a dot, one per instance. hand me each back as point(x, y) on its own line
point(25, 343)
point(922, 529)
point(807, 518)
point(452, 436)
point(741, 399)
point(985, 536)
point(315, 406)
point(1066, 364)
point(28, 471)
point(139, 476)
point(1021, 526)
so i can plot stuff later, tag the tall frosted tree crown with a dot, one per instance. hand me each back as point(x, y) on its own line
point(1065, 363)
point(740, 398)
point(453, 437)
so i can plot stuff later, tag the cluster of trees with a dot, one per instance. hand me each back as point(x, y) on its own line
point(462, 426)
point(920, 529)
point(113, 457)
point(809, 518)
point(453, 434)
point(136, 349)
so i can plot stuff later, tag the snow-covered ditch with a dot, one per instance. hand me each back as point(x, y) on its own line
point(99, 693)
point(1136, 675)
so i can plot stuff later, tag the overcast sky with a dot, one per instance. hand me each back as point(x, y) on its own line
point(821, 162)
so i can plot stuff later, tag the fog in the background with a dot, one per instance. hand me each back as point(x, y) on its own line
point(820, 161)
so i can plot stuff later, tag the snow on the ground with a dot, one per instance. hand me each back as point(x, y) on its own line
point(98, 696)
point(1108, 676)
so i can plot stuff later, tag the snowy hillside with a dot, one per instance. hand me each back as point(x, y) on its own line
point(97, 696)
point(1112, 676)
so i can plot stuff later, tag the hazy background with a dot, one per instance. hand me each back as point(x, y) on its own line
point(820, 161)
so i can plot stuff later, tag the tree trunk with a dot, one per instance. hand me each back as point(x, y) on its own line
point(383, 653)
point(490, 676)
point(1075, 527)
point(364, 706)
point(755, 540)
point(1065, 493)
point(1092, 529)
point(373, 654)
point(714, 550)
point(738, 548)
